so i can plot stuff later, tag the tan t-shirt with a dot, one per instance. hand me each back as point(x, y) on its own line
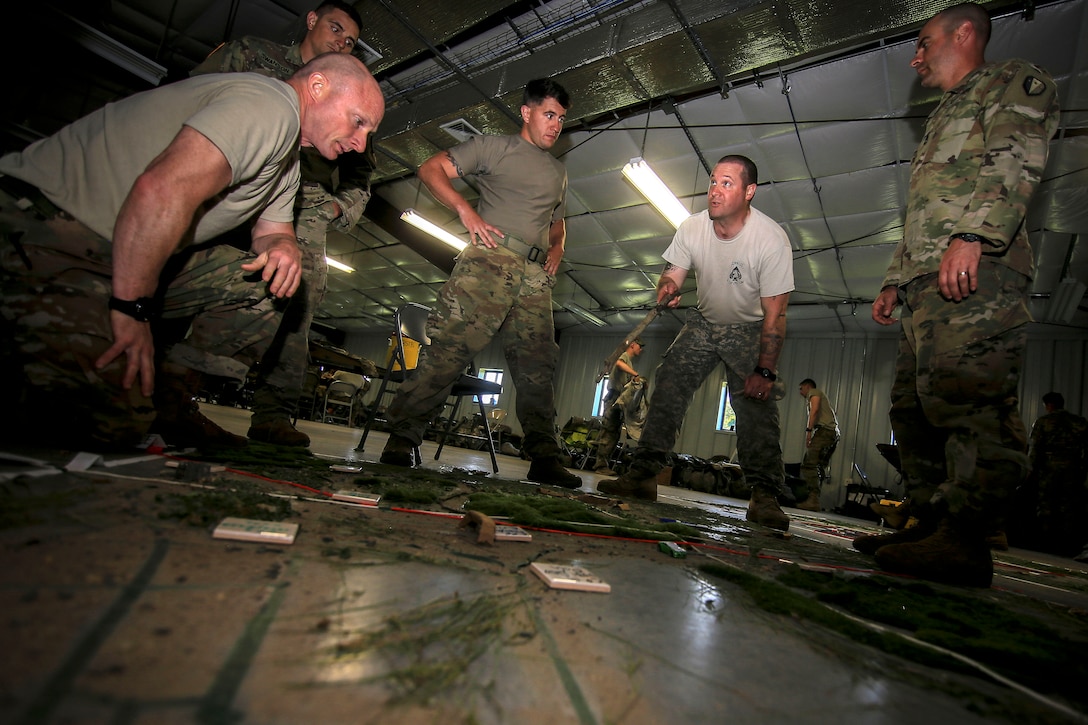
point(826, 416)
point(523, 188)
point(88, 167)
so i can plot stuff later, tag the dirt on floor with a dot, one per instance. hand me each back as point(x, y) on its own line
point(423, 516)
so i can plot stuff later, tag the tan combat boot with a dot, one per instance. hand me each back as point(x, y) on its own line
point(178, 418)
point(763, 509)
point(812, 503)
point(638, 482)
point(953, 554)
point(278, 432)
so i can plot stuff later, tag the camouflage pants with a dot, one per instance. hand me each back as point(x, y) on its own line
point(283, 367)
point(817, 455)
point(954, 403)
point(56, 283)
point(610, 428)
point(492, 292)
point(695, 352)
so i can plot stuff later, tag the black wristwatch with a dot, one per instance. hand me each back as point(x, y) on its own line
point(971, 238)
point(141, 309)
point(767, 373)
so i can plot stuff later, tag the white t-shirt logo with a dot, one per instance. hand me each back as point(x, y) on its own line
point(735, 277)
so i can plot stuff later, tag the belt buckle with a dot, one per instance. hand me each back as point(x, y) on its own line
point(535, 254)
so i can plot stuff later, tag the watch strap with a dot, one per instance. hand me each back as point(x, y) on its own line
point(141, 309)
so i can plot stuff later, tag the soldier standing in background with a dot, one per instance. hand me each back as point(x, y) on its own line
point(622, 373)
point(821, 437)
point(1053, 502)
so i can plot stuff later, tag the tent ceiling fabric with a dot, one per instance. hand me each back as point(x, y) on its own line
point(819, 94)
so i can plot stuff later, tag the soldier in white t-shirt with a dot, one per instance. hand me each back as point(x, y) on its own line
point(744, 267)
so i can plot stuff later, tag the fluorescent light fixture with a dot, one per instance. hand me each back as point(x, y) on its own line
point(639, 173)
point(339, 265)
point(121, 55)
point(585, 315)
point(1064, 301)
point(412, 217)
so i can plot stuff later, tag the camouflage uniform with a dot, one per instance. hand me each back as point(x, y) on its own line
point(1056, 490)
point(697, 350)
point(825, 436)
point(504, 292)
point(954, 407)
point(325, 185)
point(58, 340)
point(57, 256)
point(613, 414)
point(492, 292)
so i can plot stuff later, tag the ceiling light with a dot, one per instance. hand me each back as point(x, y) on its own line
point(639, 173)
point(585, 315)
point(339, 265)
point(412, 217)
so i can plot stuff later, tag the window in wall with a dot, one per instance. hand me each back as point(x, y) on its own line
point(598, 397)
point(495, 376)
point(727, 419)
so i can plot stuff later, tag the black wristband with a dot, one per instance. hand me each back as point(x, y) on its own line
point(141, 309)
point(766, 372)
point(971, 238)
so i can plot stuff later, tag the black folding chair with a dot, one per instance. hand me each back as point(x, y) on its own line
point(409, 337)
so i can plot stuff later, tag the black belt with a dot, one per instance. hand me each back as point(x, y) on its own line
point(28, 196)
point(533, 254)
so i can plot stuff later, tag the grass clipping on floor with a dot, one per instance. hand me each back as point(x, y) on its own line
point(431, 648)
point(1015, 644)
point(560, 513)
point(209, 506)
point(276, 462)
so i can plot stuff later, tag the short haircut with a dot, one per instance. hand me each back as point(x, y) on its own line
point(749, 174)
point(346, 8)
point(808, 381)
point(967, 12)
point(1054, 399)
point(538, 89)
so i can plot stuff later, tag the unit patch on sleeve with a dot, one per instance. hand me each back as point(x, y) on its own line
point(1033, 86)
